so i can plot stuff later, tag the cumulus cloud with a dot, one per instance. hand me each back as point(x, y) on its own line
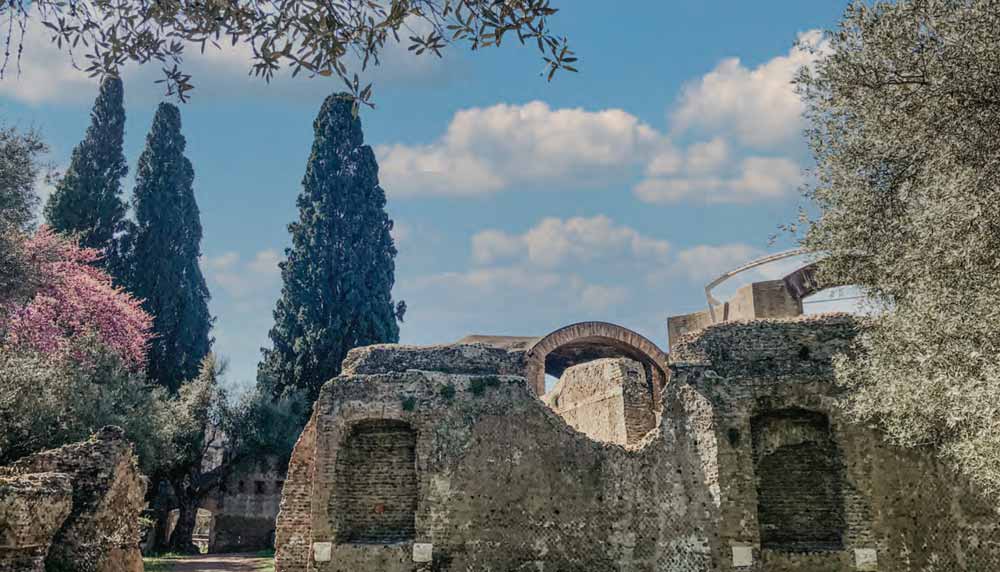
point(555, 241)
point(241, 278)
point(485, 150)
point(759, 106)
point(754, 178)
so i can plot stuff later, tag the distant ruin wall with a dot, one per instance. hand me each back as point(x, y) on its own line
point(101, 531)
point(608, 399)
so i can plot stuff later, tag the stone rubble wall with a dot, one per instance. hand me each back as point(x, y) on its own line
point(101, 531)
point(608, 399)
point(502, 484)
point(32, 508)
point(792, 467)
point(753, 467)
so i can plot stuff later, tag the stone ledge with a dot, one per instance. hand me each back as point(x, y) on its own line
point(470, 359)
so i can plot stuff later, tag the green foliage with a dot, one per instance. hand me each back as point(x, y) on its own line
point(20, 167)
point(86, 203)
point(447, 392)
point(338, 274)
point(904, 118)
point(47, 403)
point(319, 38)
point(409, 403)
point(163, 250)
point(479, 385)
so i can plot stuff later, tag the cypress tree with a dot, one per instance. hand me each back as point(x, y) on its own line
point(165, 244)
point(86, 202)
point(339, 272)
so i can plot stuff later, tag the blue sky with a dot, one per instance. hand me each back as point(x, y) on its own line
point(520, 205)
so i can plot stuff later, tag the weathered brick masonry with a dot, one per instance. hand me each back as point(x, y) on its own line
point(751, 467)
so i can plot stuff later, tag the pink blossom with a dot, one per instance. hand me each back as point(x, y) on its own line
point(76, 300)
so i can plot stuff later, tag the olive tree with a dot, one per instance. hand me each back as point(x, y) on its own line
point(316, 37)
point(904, 107)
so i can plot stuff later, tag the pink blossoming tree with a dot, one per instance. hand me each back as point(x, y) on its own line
point(75, 300)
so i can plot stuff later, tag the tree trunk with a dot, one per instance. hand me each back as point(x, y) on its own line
point(182, 540)
point(161, 502)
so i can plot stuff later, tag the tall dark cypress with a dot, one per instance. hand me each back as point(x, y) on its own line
point(339, 272)
point(165, 244)
point(87, 200)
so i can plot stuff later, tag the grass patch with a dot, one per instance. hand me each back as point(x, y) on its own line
point(161, 562)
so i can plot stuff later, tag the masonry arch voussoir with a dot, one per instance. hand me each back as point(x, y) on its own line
point(580, 342)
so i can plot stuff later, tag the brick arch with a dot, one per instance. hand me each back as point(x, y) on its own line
point(585, 341)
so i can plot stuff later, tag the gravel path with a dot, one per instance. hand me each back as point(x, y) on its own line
point(223, 563)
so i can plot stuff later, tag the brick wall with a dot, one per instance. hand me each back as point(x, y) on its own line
point(798, 474)
point(376, 498)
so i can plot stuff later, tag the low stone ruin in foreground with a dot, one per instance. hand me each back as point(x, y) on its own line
point(75, 508)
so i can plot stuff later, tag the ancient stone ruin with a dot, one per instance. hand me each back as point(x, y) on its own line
point(729, 454)
point(73, 508)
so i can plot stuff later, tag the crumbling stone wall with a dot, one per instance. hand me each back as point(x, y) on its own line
point(608, 399)
point(101, 531)
point(769, 386)
point(32, 509)
point(502, 482)
point(753, 467)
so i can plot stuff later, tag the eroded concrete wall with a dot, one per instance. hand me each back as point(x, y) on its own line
point(608, 399)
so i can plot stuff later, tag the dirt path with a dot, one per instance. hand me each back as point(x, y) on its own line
point(223, 563)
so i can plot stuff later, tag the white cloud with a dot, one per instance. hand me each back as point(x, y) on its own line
point(759, 106)
point(555, 241)
point(265, 262)
point(241, 279)
point(756, 178)
point(485, 150)
point(598, 298)
point(705, 262)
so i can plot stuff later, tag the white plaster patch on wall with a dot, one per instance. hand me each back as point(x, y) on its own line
point(423, 552)
point(866, 559)
point(322, 551)
point(742, 556)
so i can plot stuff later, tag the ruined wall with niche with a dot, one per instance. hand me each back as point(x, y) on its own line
point(501, 481)
point(752, 468)
point(607, 399)
point(801, 488)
